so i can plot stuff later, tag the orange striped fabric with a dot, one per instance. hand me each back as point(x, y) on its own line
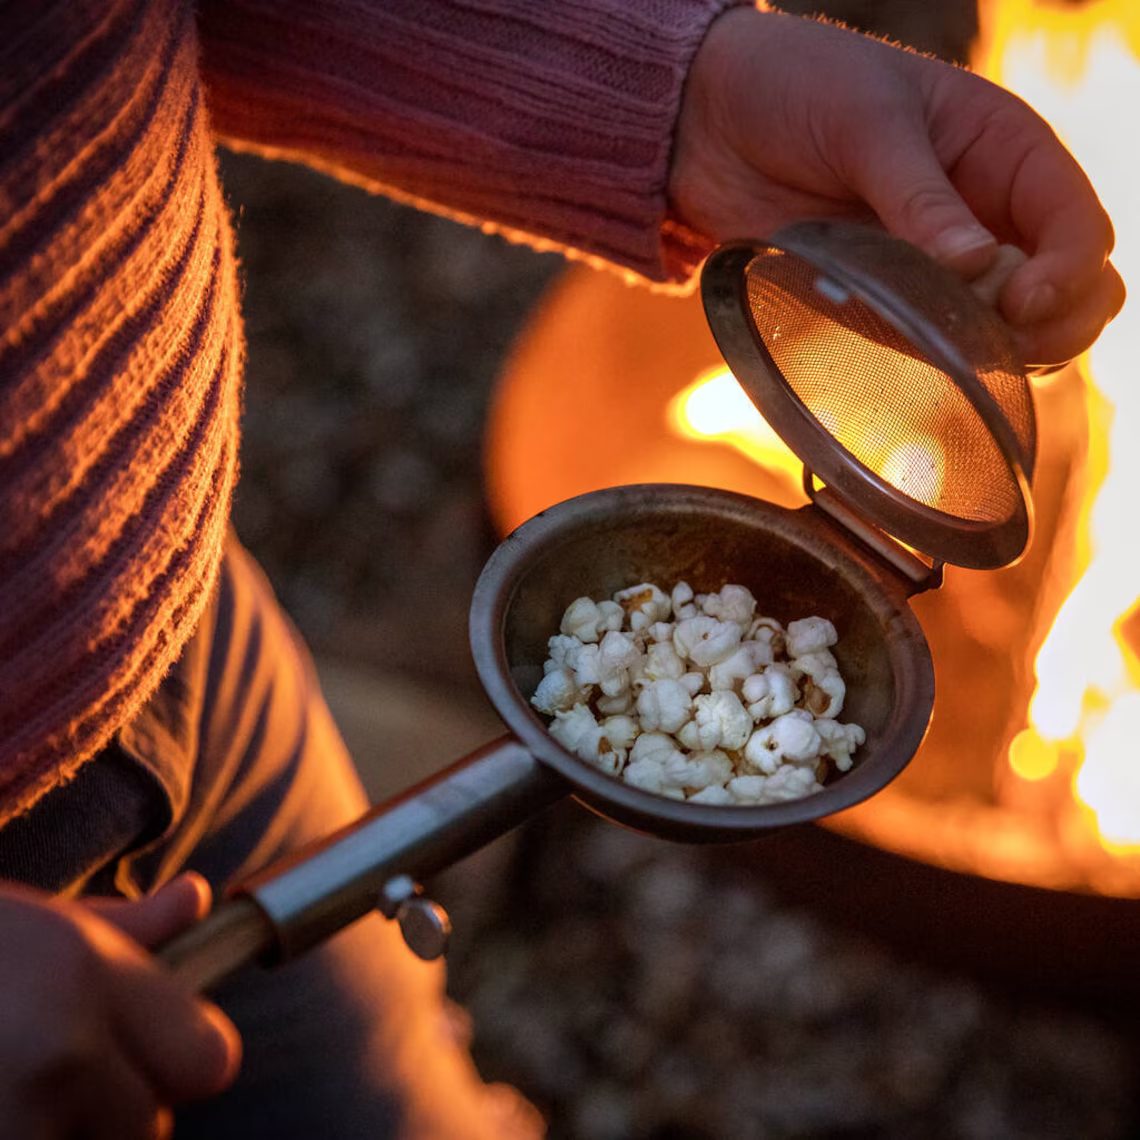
point(120, 359)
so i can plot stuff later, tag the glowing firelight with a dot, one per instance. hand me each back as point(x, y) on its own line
point(1078, 66)
point(714, 407)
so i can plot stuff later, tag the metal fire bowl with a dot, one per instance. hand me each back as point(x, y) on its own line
point(796, 564)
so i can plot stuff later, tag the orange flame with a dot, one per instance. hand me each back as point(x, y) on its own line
point(714, 407)
point(1078, 67)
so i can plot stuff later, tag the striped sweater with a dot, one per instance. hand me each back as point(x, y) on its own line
point(120, 333)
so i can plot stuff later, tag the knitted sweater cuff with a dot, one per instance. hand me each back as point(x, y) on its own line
point(551, 123)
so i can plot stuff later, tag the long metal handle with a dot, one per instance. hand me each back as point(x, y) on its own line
point(236, 932)
point(299, 901)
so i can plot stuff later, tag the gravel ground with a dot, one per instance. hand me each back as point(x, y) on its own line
point(629, 986)
point(638, 989)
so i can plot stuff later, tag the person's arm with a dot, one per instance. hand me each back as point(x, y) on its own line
point(95, 1037)
point(644, 131)
point(548, 121)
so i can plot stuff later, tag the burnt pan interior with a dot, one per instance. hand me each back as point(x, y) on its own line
point(792, 561)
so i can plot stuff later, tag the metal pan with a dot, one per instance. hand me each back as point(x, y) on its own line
point(795, 562)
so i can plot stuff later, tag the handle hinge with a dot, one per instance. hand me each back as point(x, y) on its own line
point(919, 575)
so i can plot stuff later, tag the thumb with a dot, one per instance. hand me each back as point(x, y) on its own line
point(899, 176)
point(153, 920)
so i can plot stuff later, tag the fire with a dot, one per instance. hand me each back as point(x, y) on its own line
point(1077, 65)
point(714, 407)
point(1077, 755)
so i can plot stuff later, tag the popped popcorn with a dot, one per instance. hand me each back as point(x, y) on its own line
point(697, 696)
point(663, 705)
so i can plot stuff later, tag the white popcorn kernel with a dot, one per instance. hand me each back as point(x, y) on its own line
point(612, 706)
point(563, 650)
point(645, 604)
point(611, 616)
point(557, 691)
point(645, 774)
point(610, 762)
point(776, 696)
point(689, 736)
point(747, 789)
point(661, 662)
point(760, 653)
point(768, 631)
point(713, 794)
point(824, 695)
point(588, 666)
point(693, 682)
point(789, 738)
point(577, 731)
point(681, 598)
point(810, 634)
point(755, 688)
point(732, 603)
point(727, 674)
point(720, 721)
point(616, 656)
point(840, 741)
point(696, 771)
point(790, 783)
point(620, 731)
point(814, 664)
point(704, 641)
point(655, 746)
point(663, 705)
point(581, 620)
point(660, 631)
point(616, 686)
point(616, 653)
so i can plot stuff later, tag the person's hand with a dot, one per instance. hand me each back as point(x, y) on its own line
point(785, 119)
point(96, 1039)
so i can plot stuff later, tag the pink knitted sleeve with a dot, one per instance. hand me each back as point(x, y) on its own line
point(550, 121)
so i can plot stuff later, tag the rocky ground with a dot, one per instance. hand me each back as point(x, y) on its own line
point(631, 987)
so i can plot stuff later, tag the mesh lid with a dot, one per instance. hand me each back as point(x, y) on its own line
point(889, 378)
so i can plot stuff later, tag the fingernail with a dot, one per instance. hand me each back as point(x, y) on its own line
point(1038, 305)
point(959, 241)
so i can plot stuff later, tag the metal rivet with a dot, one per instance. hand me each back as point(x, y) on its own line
point(425, 926)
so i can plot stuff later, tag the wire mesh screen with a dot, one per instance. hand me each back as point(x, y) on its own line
point(890, 407)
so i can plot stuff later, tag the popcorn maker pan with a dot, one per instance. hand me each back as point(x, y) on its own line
point(898, 389)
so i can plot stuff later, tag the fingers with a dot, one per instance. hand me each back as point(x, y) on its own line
point(1059, 339)
point(95, 1036)
point(898, 173)
point(186, 1046)
point(1024, 184)
point(1061, 297)
point(158, 917)
point(1066, 229)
